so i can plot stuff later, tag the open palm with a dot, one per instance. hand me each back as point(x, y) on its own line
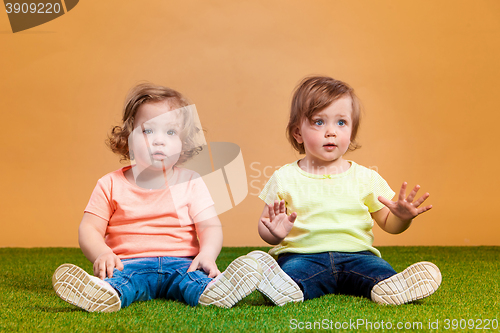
point(279, 224)
point(405, 208)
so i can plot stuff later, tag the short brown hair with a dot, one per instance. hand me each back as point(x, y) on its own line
point(147, 93)
point(312, 95)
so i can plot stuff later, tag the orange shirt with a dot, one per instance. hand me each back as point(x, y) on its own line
point(150, 223)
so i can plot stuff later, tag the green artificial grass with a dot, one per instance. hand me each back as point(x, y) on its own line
point(468, 298)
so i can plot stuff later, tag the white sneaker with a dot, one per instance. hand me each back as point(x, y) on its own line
point(276, 284)
point(416, 282)
point(239, 279)
point(88, 292)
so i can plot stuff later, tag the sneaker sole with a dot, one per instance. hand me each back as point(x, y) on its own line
point(239, 280)
point(76, 287)
point(276, 285)
point(418, 281)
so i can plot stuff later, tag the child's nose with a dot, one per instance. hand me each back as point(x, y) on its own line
point(158, 140)
point(330, 131)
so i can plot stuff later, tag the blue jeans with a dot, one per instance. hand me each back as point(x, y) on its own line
point(144, 279)
point(318, 274)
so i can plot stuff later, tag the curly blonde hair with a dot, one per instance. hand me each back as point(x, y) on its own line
point(146, 93)
point(312, 95)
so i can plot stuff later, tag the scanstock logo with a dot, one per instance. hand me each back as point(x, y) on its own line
point(28, 14)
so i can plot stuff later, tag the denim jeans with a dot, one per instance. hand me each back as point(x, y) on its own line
point(144, 279)
point(318, 274)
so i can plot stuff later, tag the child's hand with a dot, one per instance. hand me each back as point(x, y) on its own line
point(406, 209)
point(105, 263)
point(205, 263)
point(279, 223)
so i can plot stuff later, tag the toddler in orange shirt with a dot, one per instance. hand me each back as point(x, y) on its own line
point(150, 229)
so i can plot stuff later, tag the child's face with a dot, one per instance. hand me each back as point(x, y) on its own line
point(327, 136)
point(155, 141)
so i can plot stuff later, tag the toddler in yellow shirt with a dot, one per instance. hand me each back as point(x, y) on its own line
point(320, 210)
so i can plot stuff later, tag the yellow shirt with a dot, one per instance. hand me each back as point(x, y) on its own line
point(333, 211)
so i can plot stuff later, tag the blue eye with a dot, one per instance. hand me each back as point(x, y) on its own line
point(341, 122)
point(147, 131)
point(171, 132)
point(319, 122)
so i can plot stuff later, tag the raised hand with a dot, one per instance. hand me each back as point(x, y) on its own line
point(405, 208)
point(279, 224)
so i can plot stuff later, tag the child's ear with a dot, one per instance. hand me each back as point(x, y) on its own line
point(297, 136)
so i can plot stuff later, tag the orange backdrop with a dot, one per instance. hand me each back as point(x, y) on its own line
point(426, 71)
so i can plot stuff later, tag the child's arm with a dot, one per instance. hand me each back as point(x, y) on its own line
point(396, 217)
point(209, 232)
point(274, 224)
point(91, 238)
